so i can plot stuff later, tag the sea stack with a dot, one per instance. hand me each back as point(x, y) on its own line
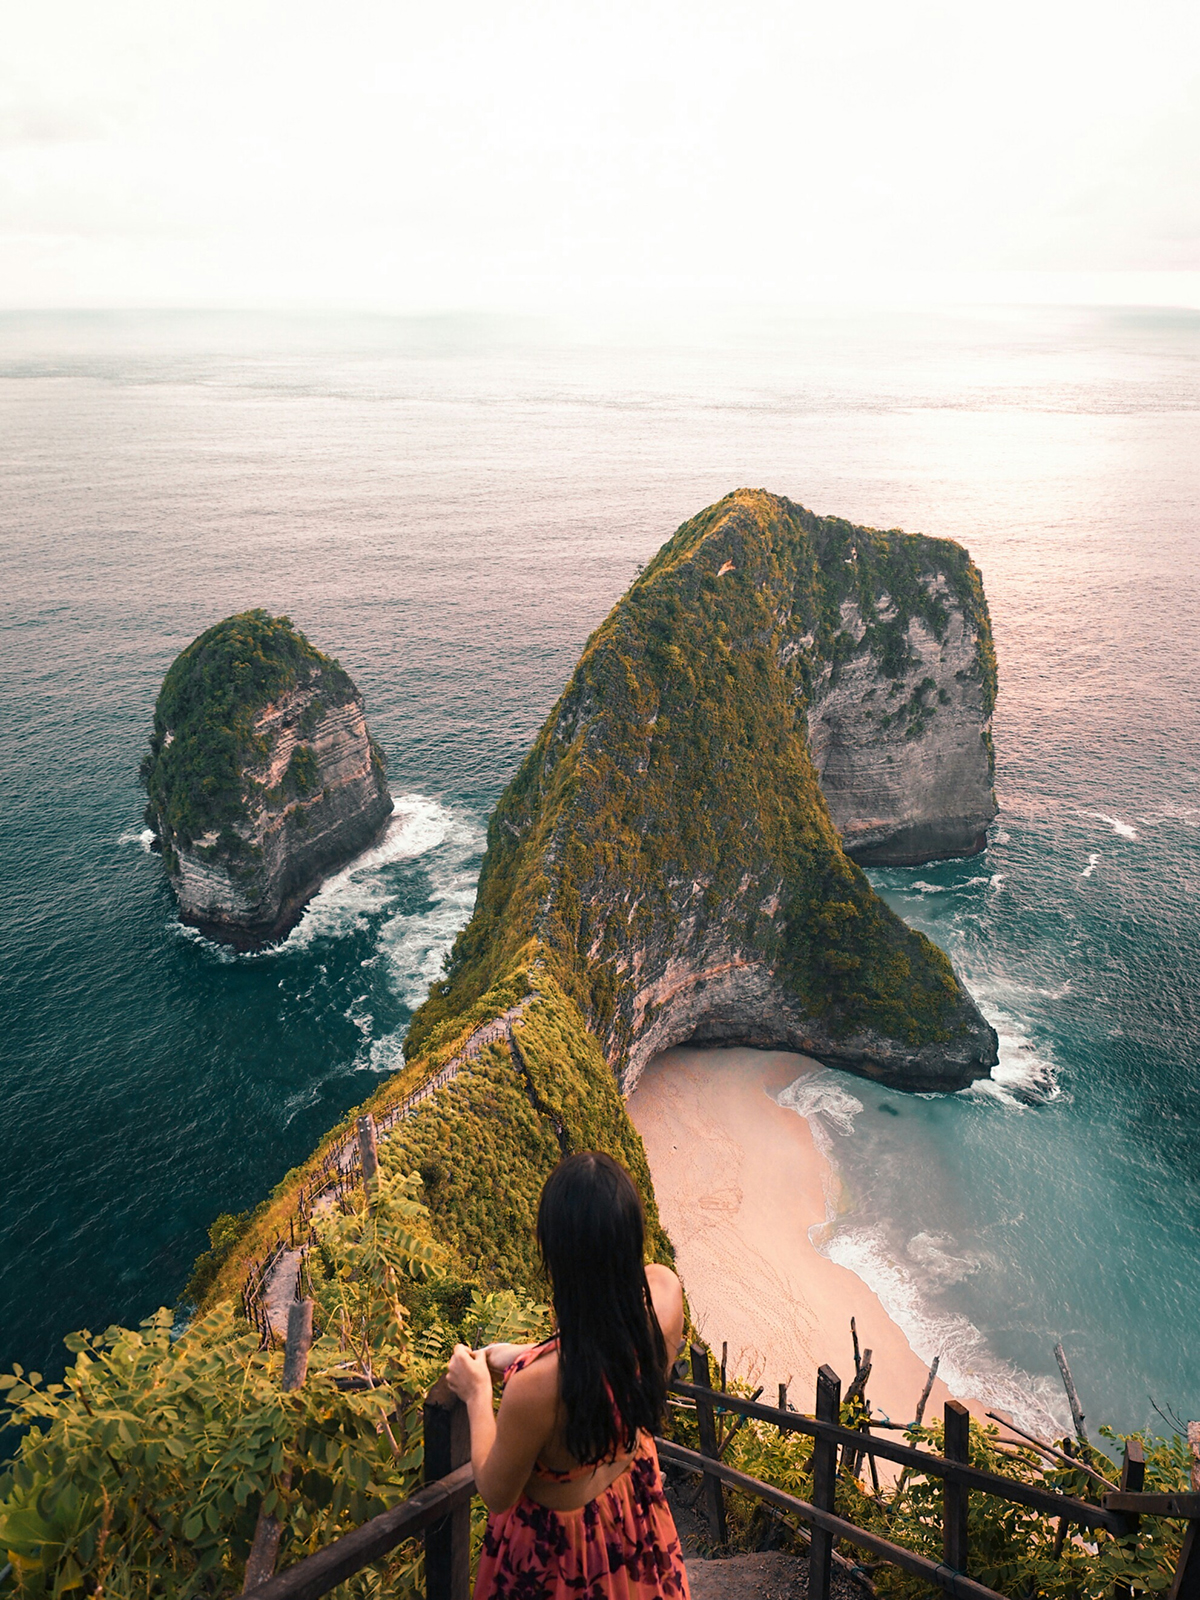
point(666, 852)
point(262, 777)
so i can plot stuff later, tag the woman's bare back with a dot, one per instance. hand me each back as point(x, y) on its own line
point(532, 1390)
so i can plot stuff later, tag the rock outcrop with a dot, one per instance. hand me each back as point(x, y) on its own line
point(665, 851)
point(904, 754)
point(263, 778)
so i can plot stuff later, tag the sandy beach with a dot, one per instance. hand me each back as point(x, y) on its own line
point(739, 1184)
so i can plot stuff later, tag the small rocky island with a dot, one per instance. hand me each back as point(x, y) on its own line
point(262, 777)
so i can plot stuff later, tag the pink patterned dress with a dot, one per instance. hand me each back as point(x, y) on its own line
point(620, 1546)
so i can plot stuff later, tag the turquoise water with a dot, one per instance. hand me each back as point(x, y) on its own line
point(451, 506)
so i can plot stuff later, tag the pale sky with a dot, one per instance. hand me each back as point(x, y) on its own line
point(410, 157)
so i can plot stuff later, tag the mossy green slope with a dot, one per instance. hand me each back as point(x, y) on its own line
point(665, 848)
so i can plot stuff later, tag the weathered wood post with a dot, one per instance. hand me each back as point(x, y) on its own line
point(714, 1497)
point(1133, 1479)
point(824, 1474)
point(956, 1446)
point(448, 1542)
point(783, 1403)
point(852, 1459)
point(1060, 1355)
point(368, 1150)
point(268, 1530)
point(926, 1391)
point(1186, 1583)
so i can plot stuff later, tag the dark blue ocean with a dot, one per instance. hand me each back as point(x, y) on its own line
point(451, 506)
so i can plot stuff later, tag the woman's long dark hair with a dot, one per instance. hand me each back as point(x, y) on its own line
point(612, 1359)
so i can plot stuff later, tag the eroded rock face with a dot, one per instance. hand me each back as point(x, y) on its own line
point(251, 824)
point(666, 848)
point(905, 762)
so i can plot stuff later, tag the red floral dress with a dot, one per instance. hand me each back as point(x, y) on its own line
point(620, 1546)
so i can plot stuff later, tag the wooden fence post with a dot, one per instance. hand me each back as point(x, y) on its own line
point(824, 1474)
point(1186, 1583)
point(299, 1343)
point(448, 1542)
point(956, 1446)
point(368, 1150)
point(1133, 1480)
point(268, 1530)
point(714, 1495)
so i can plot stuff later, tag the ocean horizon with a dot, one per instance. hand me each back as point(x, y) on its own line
point(451, 506)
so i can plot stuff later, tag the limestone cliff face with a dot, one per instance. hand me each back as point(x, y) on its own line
point(263, 777)
point(666, 850)
point(905, 760)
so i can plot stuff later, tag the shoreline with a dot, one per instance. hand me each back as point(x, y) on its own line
point(740, 1183)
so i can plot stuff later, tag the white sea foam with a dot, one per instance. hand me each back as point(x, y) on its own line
point(1025, 1074)
point(416, 946)
point(1169, 811)
point(1124, 830)
point(139, 836)
point(822, 1099)
point(966, 1364)
point(419, 825)
point(1093, 857)
point(935, 1254)
point(948, 888)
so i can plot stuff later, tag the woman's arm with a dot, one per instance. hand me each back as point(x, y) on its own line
point(504, 1446)
point(666, 1295)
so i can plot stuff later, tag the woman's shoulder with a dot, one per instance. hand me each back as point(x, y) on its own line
point(658, 1276)
point(666, 1294)
point(533, 1378)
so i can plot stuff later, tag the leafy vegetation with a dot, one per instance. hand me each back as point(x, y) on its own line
point(145, 1471)
point(487, 1142)
point(223, 1236)
point(204, 722)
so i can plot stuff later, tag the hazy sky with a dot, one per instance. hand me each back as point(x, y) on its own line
point(407, 157)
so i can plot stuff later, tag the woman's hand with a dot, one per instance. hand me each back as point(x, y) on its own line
point(468, 1374)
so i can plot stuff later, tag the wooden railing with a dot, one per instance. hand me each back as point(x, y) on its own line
point(1117, 1514)
point(441, 1510)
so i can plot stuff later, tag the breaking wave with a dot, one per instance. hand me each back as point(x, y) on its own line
point(447, 842)
point(419, 827)
point(894, 1274)
point(139, 836)
point(966, 1364)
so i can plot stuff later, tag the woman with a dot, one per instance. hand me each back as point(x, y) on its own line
point(567, 1467)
